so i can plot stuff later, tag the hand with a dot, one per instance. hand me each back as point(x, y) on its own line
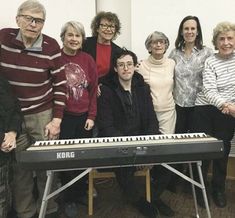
point(9, 142)
point(231, 108)
point(228, 108)
point(225, 108)
point(89, 124)
point(52, 129)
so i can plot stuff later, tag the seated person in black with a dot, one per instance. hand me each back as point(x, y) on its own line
point(10, 126)
point(125, 109)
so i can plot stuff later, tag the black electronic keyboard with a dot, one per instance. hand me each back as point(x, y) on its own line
point(120, 151)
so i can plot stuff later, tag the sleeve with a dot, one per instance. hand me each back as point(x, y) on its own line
point(210, 86)
point(13, 106)
point(16, 119)
point(59, 83)
point(92, 110)
point(105, 119)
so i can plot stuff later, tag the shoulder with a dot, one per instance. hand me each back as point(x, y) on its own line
point(211, 60)
point(106, 92)
point(90, 40)
point(170, 61)
point(8, 33)
point(115, 46)
point(47, 40)
point(50, 46)
point(87, 58)
point(207, 51)
point(89, 45)
point(173, 51)
point(138, 80)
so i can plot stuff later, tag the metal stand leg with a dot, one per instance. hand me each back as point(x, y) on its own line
point(203, 188)
point(43, 208)
point(47, 195)
point(194, 183)
point(193, 190)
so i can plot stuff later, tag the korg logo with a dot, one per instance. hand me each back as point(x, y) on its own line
point(65, 155)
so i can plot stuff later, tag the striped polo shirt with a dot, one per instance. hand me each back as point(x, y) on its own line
point(35, 74)
point(218, 82)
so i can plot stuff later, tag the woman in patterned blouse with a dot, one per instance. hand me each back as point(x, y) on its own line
point(189, 55)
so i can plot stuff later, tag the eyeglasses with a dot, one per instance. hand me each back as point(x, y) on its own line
point(159, 41)
point(123, 65)
point(106, 26)
point(29, 19)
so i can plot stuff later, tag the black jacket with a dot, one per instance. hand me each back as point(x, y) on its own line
point(10, 115)
point(111, 118)
point(89, 46)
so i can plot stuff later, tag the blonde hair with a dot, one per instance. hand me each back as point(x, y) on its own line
point(222, 27)
point(76, 25)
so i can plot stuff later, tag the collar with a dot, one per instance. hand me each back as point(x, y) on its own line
point(37, 45)
point(195, 49)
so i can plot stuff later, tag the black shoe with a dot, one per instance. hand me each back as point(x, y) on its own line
point(163, 209)
point(219, 199)
point(146, 208)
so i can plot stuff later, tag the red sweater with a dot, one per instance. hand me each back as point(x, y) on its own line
point(36, 74)
point(82, 76)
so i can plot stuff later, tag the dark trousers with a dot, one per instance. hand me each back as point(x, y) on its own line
point(160, 178)
point(210, 120)
point(127, 183)
point(72, 127)
point(184, 120)
point(184, 124)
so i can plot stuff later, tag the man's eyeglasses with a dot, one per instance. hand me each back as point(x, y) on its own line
point(30, 19)
point(106, 26)
point(123, 65)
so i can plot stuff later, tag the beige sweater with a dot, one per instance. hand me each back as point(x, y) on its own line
point(159, 74)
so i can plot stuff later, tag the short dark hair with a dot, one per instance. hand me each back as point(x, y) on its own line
point(179, 42)
point(123, 52)
point(111, 17)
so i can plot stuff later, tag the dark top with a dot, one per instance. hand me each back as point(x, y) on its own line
point(10, 115)
point(121, 113)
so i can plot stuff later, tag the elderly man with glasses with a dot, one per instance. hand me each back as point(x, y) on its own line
point(31, 62)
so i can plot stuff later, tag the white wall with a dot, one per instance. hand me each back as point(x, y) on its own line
point(138, 17)
point(123, 10)
point(58, 12)
point(166, 15)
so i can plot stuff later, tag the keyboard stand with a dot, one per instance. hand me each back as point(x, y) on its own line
point(194, 183)
point(50, 174)
point(47, 195)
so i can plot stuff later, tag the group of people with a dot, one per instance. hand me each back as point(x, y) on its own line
point(92, 87)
